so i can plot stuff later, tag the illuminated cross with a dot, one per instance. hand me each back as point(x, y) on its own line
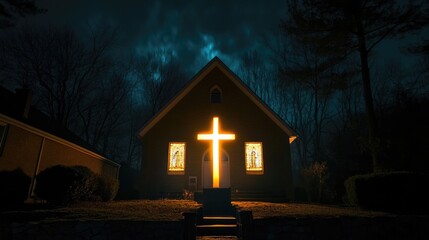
point(215, 137)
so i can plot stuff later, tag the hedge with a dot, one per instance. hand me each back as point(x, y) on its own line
point(14, 186)
point(62, 185)
point(400, 192)
point(107, 188)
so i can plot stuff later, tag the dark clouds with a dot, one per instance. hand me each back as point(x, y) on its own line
point(195, 31)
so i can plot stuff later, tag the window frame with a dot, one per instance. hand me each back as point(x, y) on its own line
point(180, 171)
point(254, 171)
point(219, 96)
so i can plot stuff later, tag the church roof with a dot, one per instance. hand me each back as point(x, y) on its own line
point(217, 63)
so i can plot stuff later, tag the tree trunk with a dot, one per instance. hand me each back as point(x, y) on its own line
point(369, 105)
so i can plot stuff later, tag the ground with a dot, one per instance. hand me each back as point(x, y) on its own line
point(171, 210)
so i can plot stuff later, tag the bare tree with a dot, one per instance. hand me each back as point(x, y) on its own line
point(159, 76)
point(340, 28)
point(75, 82)
point(60, 68)
point(102, 116)
point(12, 10)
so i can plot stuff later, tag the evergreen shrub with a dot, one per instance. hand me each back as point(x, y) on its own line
point(400, 192)
point(14, 186)
point(107, 188)
point(61, 185)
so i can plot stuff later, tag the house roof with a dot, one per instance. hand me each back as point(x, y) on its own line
point(217, 63)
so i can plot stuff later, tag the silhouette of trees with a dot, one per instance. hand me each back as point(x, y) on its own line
point(74, 81)
point(339, 28)
point(12, 10)
point(158, 76)
point(59, 67)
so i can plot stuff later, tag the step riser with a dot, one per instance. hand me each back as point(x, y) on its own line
point(217, 231)
point(213, 221)
point(217, 220)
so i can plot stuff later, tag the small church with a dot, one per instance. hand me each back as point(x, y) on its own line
point(217, 133)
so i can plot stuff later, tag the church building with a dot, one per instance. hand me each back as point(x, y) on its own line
point(216, 133)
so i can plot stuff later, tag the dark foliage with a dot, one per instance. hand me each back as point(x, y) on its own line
point(336, 29)
point(128, 178)
point(12, 10)
point(61, 185)
point(86, 183)
point(399, 192)
point(405, 129)
point(107, 188)
point(300, 194)
point(14, 186)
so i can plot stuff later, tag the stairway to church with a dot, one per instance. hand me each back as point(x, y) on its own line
point(217, 226)
point(217, 218)
point(237, 225)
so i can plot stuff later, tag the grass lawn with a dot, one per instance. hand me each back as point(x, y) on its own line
point(171, 210)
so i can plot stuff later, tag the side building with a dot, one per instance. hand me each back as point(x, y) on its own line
point(30, 141)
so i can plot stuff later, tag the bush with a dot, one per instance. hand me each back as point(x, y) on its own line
point(392, 192)
point(314, 179)
point(86, 183)
point(61, 185)
point(14, 186)
point(107, 188)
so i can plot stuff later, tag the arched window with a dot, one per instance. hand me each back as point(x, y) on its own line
point(215, 95)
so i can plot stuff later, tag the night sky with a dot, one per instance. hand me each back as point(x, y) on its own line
point(195, 31)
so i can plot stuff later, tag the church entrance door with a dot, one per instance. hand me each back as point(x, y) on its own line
point(207, 170)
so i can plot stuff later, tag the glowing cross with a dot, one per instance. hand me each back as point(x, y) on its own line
point(215, 136)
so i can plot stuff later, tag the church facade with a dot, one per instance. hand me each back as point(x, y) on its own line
point(252, 142)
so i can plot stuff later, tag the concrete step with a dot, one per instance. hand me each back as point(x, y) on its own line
point(226, 211)
point(207, 220)
point(217, 230)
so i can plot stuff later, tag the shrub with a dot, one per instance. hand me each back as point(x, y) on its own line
point(392, 191)
point(61, 185)
point(86, 183)
point(187, 194)
point(107, 188)
point(14, 186)
point(314, 178)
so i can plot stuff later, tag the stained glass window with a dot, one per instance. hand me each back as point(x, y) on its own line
point(254, 158)
point(176, 158)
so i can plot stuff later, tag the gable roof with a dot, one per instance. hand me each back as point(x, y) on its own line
point(217, 63)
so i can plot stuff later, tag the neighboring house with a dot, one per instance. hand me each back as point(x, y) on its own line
point(255, 165)
point(31, 142)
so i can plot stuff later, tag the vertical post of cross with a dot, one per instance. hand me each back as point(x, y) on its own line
point(216, 137)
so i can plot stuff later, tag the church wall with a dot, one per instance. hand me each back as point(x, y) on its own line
point(238, 115)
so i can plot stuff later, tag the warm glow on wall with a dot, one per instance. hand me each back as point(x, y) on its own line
point(254, 158)
point(176, 158)
point(216, 137)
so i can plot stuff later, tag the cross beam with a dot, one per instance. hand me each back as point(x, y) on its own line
point(216, 137)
